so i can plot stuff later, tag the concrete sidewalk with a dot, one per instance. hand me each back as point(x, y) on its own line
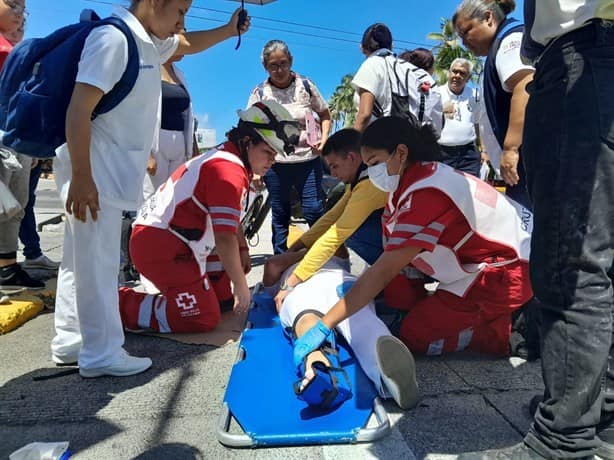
point(171, 412)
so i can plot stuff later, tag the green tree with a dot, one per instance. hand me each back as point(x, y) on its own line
point(342, 107)
point(448, 49)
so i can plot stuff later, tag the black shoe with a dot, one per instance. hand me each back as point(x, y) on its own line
point(606, 435)
point(606, 451)
point(227, 305)
point(15, 277)
point(605, 432)
point(524, 339)
point(517, 452)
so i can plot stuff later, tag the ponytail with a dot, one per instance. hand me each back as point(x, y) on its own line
point(388, 132)
point(377, 36)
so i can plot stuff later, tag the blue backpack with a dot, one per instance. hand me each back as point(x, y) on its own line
point(38, 79)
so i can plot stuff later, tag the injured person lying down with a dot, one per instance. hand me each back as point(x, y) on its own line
point(322, 380)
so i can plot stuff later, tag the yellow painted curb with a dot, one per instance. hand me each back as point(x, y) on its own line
point(17, 312)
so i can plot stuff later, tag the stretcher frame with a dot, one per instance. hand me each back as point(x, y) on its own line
point(239, 440)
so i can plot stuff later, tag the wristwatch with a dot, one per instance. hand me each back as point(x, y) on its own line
point(285, 287)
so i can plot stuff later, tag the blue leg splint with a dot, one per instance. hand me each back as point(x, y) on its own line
point(260, 405)
point(329, 387)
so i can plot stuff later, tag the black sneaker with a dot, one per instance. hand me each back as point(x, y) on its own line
point(524, 339)
point(14, 277)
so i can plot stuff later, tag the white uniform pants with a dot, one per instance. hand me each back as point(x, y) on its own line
point(361, 330)
point(87, 318)
point(170, 155)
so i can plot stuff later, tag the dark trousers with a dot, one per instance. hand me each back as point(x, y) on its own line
point(306, 179)
point(568, 149)
point(27, 230)
point(465, 158)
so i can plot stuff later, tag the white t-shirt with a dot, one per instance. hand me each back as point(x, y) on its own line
point(377, 73)
point(121, 139)
point(373, 76)
point(459, 128)
point(508, 63)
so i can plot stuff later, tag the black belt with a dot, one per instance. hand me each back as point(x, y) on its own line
point(453, 149)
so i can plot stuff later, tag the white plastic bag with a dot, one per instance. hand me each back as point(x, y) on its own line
point(42, 451)
point(9, 206)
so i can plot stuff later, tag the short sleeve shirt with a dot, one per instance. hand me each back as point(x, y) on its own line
point(121, 139)
point(222, 188)
point(508, 63)
point(508, 58)
point(296, 99)
point(459, 127)
point(428, 217)
point(104, 58)
point(376, 74)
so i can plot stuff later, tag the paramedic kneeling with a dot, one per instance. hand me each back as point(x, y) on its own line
point(450, 226)
point(195, 212)
point(355, 220)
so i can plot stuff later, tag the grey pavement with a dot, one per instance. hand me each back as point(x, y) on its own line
point(469, 402)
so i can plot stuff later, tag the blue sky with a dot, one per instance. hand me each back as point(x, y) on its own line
point(221, 79)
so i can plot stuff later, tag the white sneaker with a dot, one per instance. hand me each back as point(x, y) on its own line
point(398, 371)
point(65, 360)
point(123, 366)
point(42, 262)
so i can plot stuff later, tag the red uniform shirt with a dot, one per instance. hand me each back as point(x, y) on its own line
point(5, 49)
point(428, 215)
point(222, 187)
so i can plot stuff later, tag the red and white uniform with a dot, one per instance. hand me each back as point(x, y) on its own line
point(475, 242)
point(172, 244)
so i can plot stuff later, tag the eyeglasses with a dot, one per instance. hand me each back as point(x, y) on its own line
point(16, 9)
point(277, 67)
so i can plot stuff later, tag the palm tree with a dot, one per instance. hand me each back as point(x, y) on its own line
point(448, 49)
point(342, 107)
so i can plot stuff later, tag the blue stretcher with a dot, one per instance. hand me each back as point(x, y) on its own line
point(260, 397)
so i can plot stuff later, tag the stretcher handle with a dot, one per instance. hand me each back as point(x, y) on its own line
point(379, 431)
point(230, 439)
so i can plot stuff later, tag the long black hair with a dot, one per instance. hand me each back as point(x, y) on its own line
point(389, 132)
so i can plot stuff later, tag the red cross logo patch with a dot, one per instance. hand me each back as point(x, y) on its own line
point(186, 301)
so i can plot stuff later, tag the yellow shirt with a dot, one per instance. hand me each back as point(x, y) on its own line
point(338, 224)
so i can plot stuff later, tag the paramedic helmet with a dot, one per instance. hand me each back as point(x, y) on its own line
point(274, 124)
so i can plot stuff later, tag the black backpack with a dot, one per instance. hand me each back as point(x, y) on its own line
point(400, 103)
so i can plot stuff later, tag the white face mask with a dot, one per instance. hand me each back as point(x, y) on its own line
point(378, 174)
